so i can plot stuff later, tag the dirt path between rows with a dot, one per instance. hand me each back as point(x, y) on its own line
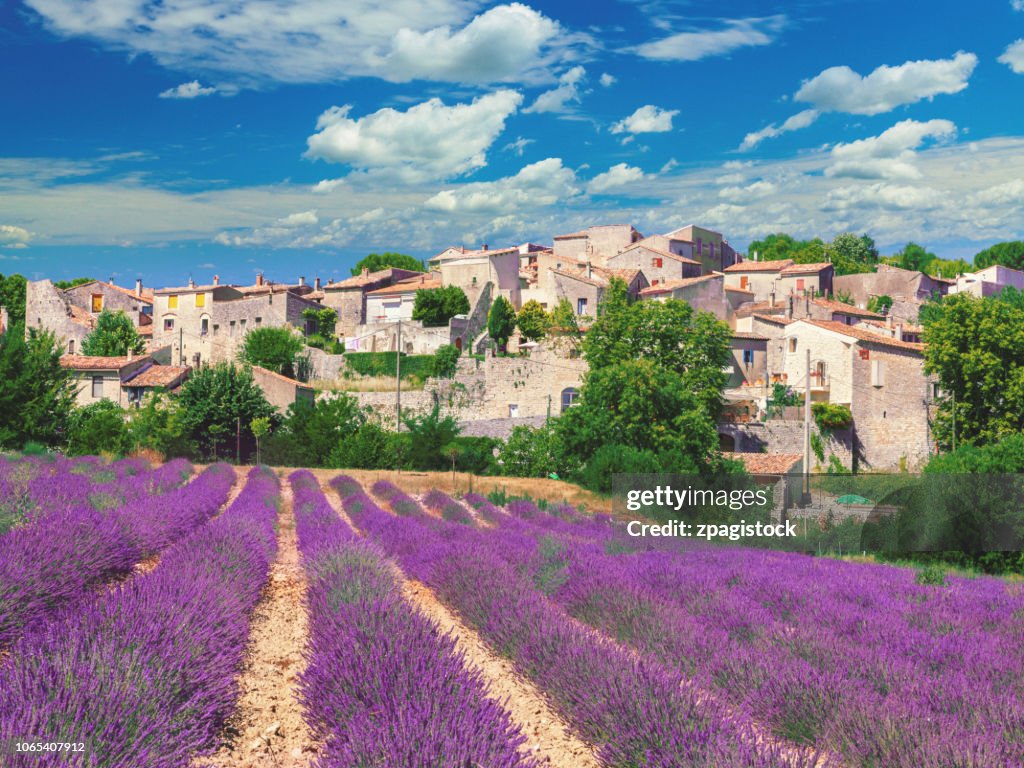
point(549, 739)
point(268, 728)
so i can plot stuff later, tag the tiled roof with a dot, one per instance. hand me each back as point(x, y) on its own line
point(250, 290)
point(409, 285)
point(360, 280)
point(907, 327)
point(595, 280)
point(862, 334)
point(145, 298)
point(805, 269)
point(166, 376)
point(670, 285)
point(846, 309)
point(760, 266)
point(766, 463)
point(628, 275)
point(96, 363)
point(571, 235)
point(737, 289)
point(776, 319)
point(192, 289)
point(280, 377)
point(749, 335)
point(80, 316)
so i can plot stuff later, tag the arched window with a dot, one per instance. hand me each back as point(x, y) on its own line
point(569, 395)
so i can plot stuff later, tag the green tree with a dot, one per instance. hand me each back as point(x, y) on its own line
point(36, 392)
point(375, 262)
point(533, 321)
point(113, 336)
point(12, 296)
point(775, 247)
point(915, 257)
point(310, 432)
point(275, 349)
point(851, 254)
point(501, 321)
point(531, 452)
point(98, 428)
point(1009, 254)
point(976, 348)
point(218, 403)
point(427, 436)
point(63, 285)
point(436, 306)
point(260, 428)
point(563, 323)
point(948, 268)
point(369, 447)
point(159, 426)
point(446, 361)
point(324, 320)
point(881, 304)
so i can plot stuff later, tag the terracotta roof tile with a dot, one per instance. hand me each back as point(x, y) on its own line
point(862, 334)
point(411, 284)
point(767, 463)
point(846, 309)
point(760, 266)
point(167, 376)
point(359, 281)
point(775, 319)
point(571, 235)
point(805, 269)
point(659, 251)
point(749, 335)
point(670, 285)
point(737, 289)
point(97, 363)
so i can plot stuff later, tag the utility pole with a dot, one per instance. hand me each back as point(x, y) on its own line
point(181, 346)
point(398, 379)
point(954, 420)
point(238, 440)
point(807, 429)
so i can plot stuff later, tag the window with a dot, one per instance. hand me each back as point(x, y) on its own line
point(744, 281)
point(71, 347)
point(877, 373)
point(711, 249)
point(865, 354)
point(569, 397)
point(700, 247)
point(748, 357)
point(258, 321)
point(241, 323)
point(513, 410)
point(97, 302)
point(168, 323)
point(216, 329)
point(655, 282)
point(172, 301)
point(474, 279)
point(231, 328)
point(200, 299)
point(656, 262)
point(97, 387)
point(800, 284)
point(581, 306)
point(204, 326)
point(792, 344)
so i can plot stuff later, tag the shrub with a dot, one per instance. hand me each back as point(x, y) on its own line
point(445, 361)
point(383, 364)
point(829, 416)
point(436, 306)
point(932, 574)
point(275, 349)
point(613, 458)
point(98, 428)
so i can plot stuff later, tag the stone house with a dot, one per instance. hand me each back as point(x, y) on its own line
point(280, 391)
point(396, 301)
point(907, 288)
point(659, 266)
point(583, 290)
point(596, 244)
point(71, 314)
point(989, 281)
point(749, 361)
point(348, 297)
point(674, 245)
point(152, 378)
point(826, 309)
point(208, 323)
point(880, 378)
point(710, 248)
point(103, 378)
point(473, 270)
point(705, 293)
point(762, 278)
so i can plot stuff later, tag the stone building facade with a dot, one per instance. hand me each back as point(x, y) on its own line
point(71, 314)
point(658, 265)
point(348, 297)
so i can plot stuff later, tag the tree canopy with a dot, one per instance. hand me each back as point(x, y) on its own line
point(217, 402)
point(848, 252)
point(976, 347)
point(1008, 254)
point(12, 296)
point(273, 348)
point(113, 336)
point(533, 321)
point(436, 306)
point(63, 285)
point(36, 393)
point(98, 428)
point(375, 262)
point(501, 321)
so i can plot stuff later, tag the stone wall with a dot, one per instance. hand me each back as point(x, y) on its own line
point(46, 309)
point(787, 436)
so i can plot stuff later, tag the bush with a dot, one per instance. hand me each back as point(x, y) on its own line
point(933, 574)
point(529, 452)
point(383, 364)
point(98, 428)
point(370, 447)
point(613, 458)
point(829, 416)
point(275, 349)
point(446, 360)
point(436, 306)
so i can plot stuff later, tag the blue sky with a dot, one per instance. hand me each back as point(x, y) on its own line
point(162, 139)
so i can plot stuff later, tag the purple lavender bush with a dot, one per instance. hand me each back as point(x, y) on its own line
point(384, 687)
point(447, 507)
point(145, 675)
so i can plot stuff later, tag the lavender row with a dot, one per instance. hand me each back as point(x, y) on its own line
point(884, 671)
point(145, 674)
point(384, 687)
point(400, 502)
point(61, 558)
point(447, 507)
point(635, 710)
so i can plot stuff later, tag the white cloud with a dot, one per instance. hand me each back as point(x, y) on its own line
point(615, 178)
point(429, 140)
point(700, 44)
point(794, 123)
point(14, 237)
point(754, 191)
point(518, 146)
point(840, 89)
point(883, 196)
point(607, 81)
point(327, 185)
point(558, 99)
point(890, 155)
point(502, 44)
point(1013, 56)
point(647, 119)
point(188, 91)
point(1010, 193)
point(1017, 5)
point(536, 185)
point(296, 41)
point(302, 219)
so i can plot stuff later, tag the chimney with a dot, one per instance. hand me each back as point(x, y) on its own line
point(216, 279)
point(316, 284)
point(111, 280)
point(138, 286)
point(302, 281)
point(789, 308)
point(259, 278)
point(771, 299)
point(888, 320)
point(898, 334)
point(484, 248)
point(130, 354)
point(807, 305)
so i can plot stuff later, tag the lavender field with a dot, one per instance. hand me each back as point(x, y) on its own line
point(137, 628)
